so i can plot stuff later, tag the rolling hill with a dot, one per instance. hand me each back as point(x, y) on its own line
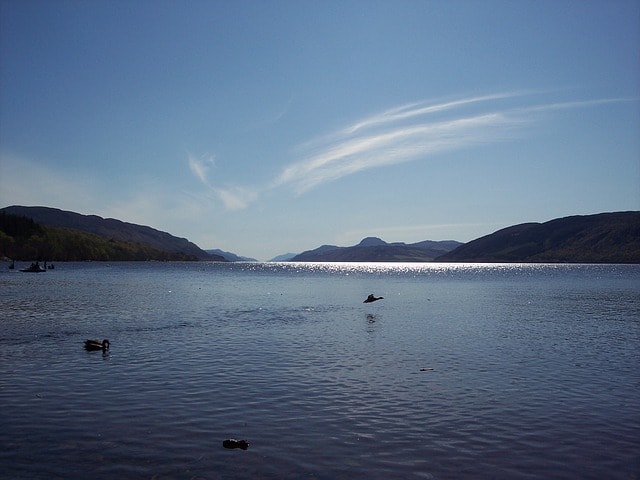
point(230, 256)
point(601, 238)
point(113, 230)
point(54, 234)
point(373, 249)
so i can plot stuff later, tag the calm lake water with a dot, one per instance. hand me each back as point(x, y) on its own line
point(462, 371)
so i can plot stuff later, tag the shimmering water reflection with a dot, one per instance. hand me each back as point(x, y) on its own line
point(462, 371)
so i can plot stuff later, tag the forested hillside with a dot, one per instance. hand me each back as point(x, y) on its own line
point(112, 229)
point(23, 239)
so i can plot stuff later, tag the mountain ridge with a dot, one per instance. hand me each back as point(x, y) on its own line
point(229, 256)
point(111, 228)
point(374, 249)
point(611, 237)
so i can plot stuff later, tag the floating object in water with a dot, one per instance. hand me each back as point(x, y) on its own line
point(92, 345)
point(233, 443)
point(34, 268)
point(426, 369)
point(371, 298)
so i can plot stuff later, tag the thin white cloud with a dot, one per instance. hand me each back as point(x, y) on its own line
point(233, 198)
point(236, 198)
point(422, 108)
point(410, 132)
point(405, 133)
point(24, 181)
point(575, 104)
point(397, 144)
point(283, 111)
point(200, 166)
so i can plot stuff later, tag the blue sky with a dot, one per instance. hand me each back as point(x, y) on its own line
point(265, 127)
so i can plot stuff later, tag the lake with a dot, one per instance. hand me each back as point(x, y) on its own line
point(461, 371)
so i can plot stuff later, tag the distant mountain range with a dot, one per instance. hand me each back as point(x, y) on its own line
point(231, 257)
point(601, 238)
point(285, 257)
point(115, 230)
point(373, 249)
point(53, 234)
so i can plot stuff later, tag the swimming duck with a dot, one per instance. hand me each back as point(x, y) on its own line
point(371, 298)
point(96, 345)
point(233, 443)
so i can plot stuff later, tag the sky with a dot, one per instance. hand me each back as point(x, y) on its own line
point(273, 126)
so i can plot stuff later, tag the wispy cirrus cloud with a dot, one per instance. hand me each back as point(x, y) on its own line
point(236, 198)
point(417, 131)
point(200, 166)
point(409, 132)
point(233, 198)
point(399, 135)
point(575, 104)
point(394, 146)
point(416, 109)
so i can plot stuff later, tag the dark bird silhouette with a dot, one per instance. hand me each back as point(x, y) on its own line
point(92, 345)
point(371, 298)
point(233, 443)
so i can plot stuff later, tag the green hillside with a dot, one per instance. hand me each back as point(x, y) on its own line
point(112, 229)
point(23, 239)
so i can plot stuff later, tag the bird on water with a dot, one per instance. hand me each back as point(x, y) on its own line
point(233, 443)
point(91, 345)
point(372, 298)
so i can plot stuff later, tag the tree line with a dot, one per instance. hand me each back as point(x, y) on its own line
point(23, 239)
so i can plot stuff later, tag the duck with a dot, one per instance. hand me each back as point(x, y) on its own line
point(92, 345)
point(233, 443)
point(372, 298)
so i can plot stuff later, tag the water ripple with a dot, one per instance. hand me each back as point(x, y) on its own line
point(462, 372)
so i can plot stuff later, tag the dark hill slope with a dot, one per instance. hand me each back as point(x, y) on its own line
point(111, 228)
point(601, 238)
point(230, 256)
point(372, 249)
